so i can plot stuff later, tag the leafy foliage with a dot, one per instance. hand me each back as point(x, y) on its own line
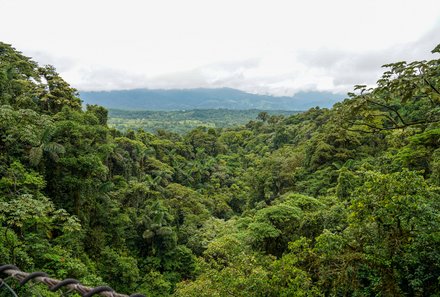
point(328, 202)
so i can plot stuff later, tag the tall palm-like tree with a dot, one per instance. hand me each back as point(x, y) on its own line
point(51, 148)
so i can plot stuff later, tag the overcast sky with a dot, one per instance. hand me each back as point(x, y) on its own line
point(269, 46)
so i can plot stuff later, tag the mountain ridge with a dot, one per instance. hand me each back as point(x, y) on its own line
point(205, 98)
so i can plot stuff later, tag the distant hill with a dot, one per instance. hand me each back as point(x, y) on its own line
point(184, 99)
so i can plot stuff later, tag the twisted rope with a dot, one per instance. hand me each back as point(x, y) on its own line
point(55, 284)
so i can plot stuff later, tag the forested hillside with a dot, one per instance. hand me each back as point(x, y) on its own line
point(330, 202)
point(214, 98)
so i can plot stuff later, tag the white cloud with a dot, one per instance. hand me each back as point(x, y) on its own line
point(268, 46)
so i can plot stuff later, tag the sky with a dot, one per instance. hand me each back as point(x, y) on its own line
point(276, 47)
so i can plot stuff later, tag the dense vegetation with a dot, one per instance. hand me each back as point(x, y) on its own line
point(184, 120)
point(329, 202)
point(186, 99)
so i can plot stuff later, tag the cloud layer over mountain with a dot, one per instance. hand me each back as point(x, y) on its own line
point(277, 47)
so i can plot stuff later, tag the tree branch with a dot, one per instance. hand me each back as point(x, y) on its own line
point(432, 86)
point(387, 107)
